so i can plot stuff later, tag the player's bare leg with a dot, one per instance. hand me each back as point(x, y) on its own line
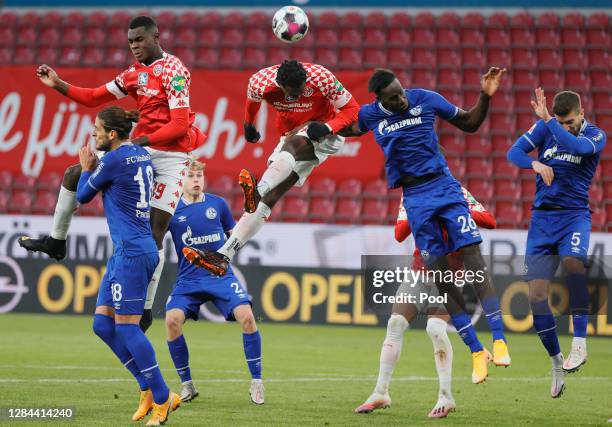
point(472, 258)
point(390, 352)
point(575, 278)
point(55, 244)
point(443, 356)
point(545, 326)
point(252, 350)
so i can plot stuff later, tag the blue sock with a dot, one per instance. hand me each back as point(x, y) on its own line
point(144, 355)
point(490, 305)
point(252, 352)
point(180, 356)
point(104, 327)
point(544, 325)
point(466, 331)
point(579, 302)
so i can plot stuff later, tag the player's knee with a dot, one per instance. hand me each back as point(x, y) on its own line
point(71, 177)
point(396, 326)
point(247, 321)
point(436, 328)
point(572, 265)
point(173, 324)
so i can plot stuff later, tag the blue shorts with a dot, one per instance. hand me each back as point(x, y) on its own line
point(554, 234)
point(226, 293)
point(435, 205)
point(124, 286)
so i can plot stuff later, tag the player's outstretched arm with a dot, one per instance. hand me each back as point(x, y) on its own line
point(90, 97)
point(351, 130)
point(470, 121)
point(177, 127)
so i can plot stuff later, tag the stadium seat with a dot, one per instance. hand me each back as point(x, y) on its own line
point(453, 144)
point(295, 209)
point(44, 204)
point(327, 57)
point(6, 56)
point(348, 211)
point(448, 20)
point(447, 58)
point(498, 37)
point(447, 37)
point(547, 38)
point(376, 189)
point(209, 37)
point(327, 20)
point(116, 37)
point(507, 189)
point(232, 37)
point(375, 37)
point(233, 19)
point(23, 55)
point(303, 54)
point(166, 20)
point(120, 20)
point(186, 37)
point(472, 37)
point(577, 80)
point(70, 56)
point(351, 59)
point(72, 36)
point(550, 80)
point(373, 211)
point(607, 196)
point(210, 20)
point(351, 20)
point(508, 214)
point(473, 58)
point(259, 19)
point(500, 144)
point(477, 145)
point(549, 58)
point(96, 20)
point(351, 37)
point(276, 55)
point(74, 19)
point(349, 188)
point(596, 194)
point(6, 180)
point(601, 79)
point(500, 57)
point(504, 169)
point(326, 38)
point(549, 20)
point(187, 55)
point(598, 38)
point(599, 59)
point(321, 210)
point(375, 20)
point(224, 185)
point(571, 37)
point(29, 19)
point(449, 92)
point(522, 37)
point(95, 37)
point(27, 37)
point(230, 58)
point(478, 167)
point(502, 123)
point(51, 182)
point(8, 20)
point(423, 58)
point(399, 58)
point(523, 58)
point(424, 78)
point(4, 202)
point(482, 190)
point(473, 20)
point(92, 57)
point(524, 79)
point(258, 37)
point(49, 36)
point(602, 101)
point(21, 202)
point(456, 166)
point(423, 37)
point(399, 37)
point(401, 20)
point(254, 57)
point(324, 187)
point(373, 57)
point(598, 219)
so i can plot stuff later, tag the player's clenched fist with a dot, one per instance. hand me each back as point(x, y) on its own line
point(490, 81)
point(250, 133)
point(87, 158)
point(47, 75)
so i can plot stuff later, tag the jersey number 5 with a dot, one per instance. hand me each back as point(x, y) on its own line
point(145, 194)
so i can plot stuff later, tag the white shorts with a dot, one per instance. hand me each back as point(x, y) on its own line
point(420, 291)
point(323, 149)
point(170, 169)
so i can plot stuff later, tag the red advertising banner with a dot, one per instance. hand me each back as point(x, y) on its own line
point(41, 131)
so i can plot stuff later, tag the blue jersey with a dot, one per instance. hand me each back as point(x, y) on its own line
point(408, 139)
point(573, 159)
point(201, 225)
point(124, 176)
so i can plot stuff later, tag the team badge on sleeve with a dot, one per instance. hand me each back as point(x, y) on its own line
point(178, 83)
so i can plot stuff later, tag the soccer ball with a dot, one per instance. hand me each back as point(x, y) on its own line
point(290, 24)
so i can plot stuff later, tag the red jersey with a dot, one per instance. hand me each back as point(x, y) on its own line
point(323, 96)
point(481, 216)
point(158, 88)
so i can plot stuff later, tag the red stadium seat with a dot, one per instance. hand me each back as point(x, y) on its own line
point(448, 20)
point(92, 57)
point(254, 57)
point(498, 37)
point(96, 20)
point(577, 80)
point(423, 58)
point(6, 180)
point(457, 167)
point(230, 58)
point(507, 189)
point(167, 40)
point(23, 55)
point(573, 38)
point(500, 144)
point(376, 189)
point(449, 79)
point(258, 37)
point(573, 20)
point(351, 20)
point(116, 57)
point(232, 37)
point(399, 37)
point(303, 191)
point(479, 167)
point(187, 56)
point(453, 144)
point(44, 204)
point(276, 55)
point(596, 194)
point(547, 38)
point(74, 19)
point(375, 20)
point(348, 211)
point(303, 54)
point(120, 19)
point(448, 58)
point(473, 58)
point(598, 219)
point(424, 78)
point(450, 93)
point(502, 168)
point(424, 20)
point(70, 56)
point(598, 38)
point(423, 37)
point(349, 188)
point(95, 37)
point(601, 79)
point(211, 20)
point(187, 20)
point(324, 187)
point(598, 20)
point(473, 20)
point(574, 58)
point(166, 20)
point(21, 202)
point(373, 211)
point(259, 19)
point(209, 37)
point(8, 20)
point(373, 57)
point(27, 36)
point(524, 79)
point(522, 37)
point(375, 37)
point(327, 38)
point(51, 181)
point(607, 189)
point(523, 58)
point(351, 59)
point(327, 20)
point(351, 37)
point(483, 191)
point(550, 79)
point(502, 123)
point(524, 121)
point(549, 58)
point(399, 58)
point(49, 36)
point(30, 19)
point(477, 146)
point(234, 19)
point(472, 37)
point(508, 214)
point(602, 100)
point(321, 210)
point(400, 20)
point(447, 37)
point(116, 37)
point(7, 37)
point(498, 20)
point(528, 189)
point(548, 20)
point(499, 57)
point(295, 210)
point(72, 36)
point(326, 57)
point(186, 36)
point(4, 202)
point(599, 59)
point(224, 185)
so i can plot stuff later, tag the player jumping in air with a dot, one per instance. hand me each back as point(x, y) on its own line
point(202, 220)
point(307, 97)
point(125, 177)
point(437, 317)
point(403, 124)
point(160, 84)
point(569, 148)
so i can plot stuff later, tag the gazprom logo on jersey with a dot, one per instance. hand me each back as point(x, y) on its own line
point(385, 128)
point(551, 153)
point(190, 240)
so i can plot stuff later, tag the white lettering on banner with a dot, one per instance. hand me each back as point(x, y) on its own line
point(234, 142)
point(77, 132)
point(9, 110)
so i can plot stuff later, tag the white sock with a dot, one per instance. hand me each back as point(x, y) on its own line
point(64, 211)
point(557, 360)
point(277, 172)
point(443, 354)
point(152, 289)
point(390, 352)
point(247, 227)
point(579, 342)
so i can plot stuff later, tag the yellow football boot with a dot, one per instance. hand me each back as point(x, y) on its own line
point(501, 356)
point(480, 361)
point(162, 412)
point(145, 405)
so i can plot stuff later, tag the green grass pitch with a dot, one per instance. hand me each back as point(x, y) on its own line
point(314, 375)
